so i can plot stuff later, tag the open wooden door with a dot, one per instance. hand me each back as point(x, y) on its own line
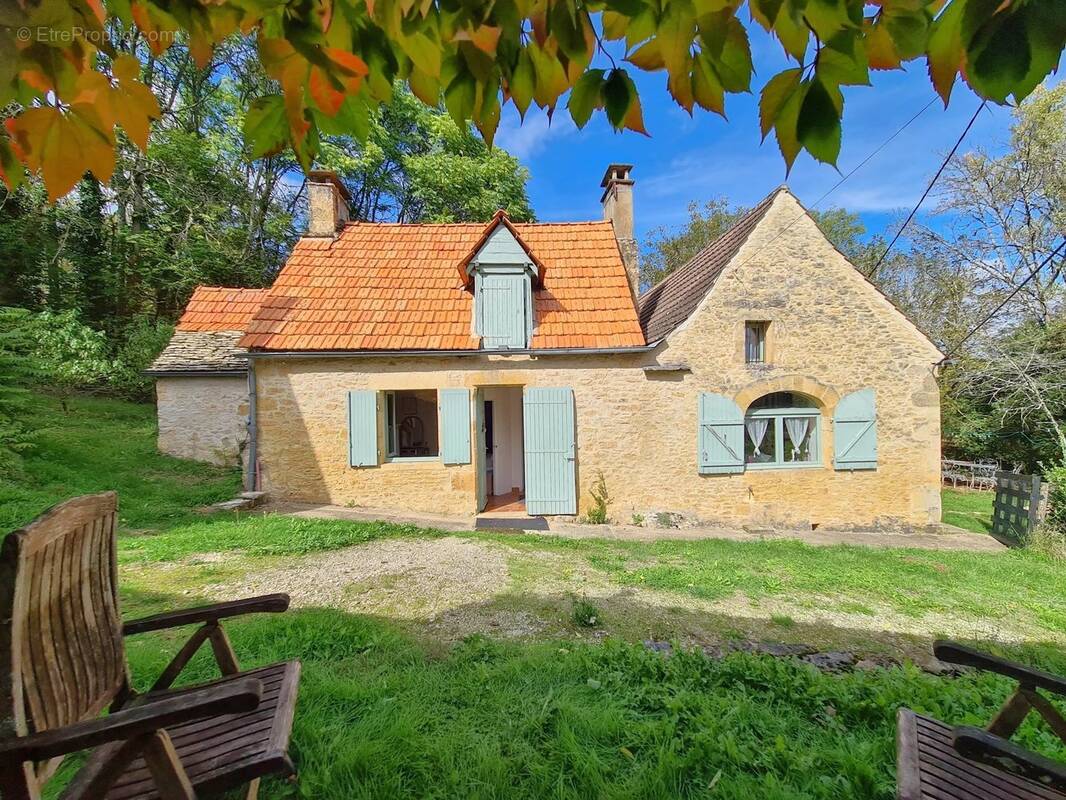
point(479, 450)
point(550, 451)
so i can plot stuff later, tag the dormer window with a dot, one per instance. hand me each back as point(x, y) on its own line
point(503, 273)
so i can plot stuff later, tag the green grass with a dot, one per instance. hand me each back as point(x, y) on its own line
point(384, 713)
point(380, 717)
point(102, 445)
point(971, 510)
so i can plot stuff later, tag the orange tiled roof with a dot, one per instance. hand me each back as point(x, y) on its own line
point(216, 308)
point(398, 287)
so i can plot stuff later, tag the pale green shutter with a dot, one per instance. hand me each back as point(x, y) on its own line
point(550, 451)
point(855, 431)
point(502, 311)
point(362, 428)
point(455, 426)
point(721, 435)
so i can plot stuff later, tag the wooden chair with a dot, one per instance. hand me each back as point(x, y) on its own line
point(941, 762)
point(62, 663)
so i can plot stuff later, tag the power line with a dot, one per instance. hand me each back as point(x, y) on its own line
point(1036, 271)
point(929, 188)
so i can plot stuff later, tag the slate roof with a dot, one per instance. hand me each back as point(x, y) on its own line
point(388, 286)
point(207, 333)
point(203, 352)
point(671, 301)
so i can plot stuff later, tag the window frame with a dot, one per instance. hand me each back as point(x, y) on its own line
point(777, 417)
point(392, 444)
point(763, 329)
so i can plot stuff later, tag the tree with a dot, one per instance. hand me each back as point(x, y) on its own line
point(333, 60)
point(418, 165)
point(665, 251)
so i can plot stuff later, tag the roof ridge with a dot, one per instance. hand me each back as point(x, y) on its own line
point(365, 223)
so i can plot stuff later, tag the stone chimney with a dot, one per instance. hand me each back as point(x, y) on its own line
point(618, 208)
point(327, 203)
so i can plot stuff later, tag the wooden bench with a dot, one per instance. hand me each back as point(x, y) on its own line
point(936, 761)
point(63, 662)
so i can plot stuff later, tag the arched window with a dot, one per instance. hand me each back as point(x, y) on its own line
point(782, 430)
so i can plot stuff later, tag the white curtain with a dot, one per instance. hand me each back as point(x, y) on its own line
point(757, 432)
point(797, 428)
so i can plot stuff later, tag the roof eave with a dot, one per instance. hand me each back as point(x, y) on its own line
point(532, 351)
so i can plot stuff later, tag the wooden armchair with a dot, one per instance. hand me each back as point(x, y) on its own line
point(939, 761)
point(62, 663)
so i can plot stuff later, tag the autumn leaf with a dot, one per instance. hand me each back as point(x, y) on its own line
point(132, 103)
point(63, 146)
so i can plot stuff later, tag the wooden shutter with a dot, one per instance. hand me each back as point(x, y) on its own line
point(550, 451)
point(363, 428)
point(721, 435)
point(455, 426)
point(502, 311)
point(855, 431)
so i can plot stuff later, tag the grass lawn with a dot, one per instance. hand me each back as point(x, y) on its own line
point(968, 509)
point(397, 704)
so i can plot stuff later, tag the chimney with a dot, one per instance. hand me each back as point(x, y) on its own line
point(618, 208)
point(327, 203)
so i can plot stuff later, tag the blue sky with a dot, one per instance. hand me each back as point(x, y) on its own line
point(696, 158)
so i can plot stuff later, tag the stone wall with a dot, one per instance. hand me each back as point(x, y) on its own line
point(203, 418)
point(832, 333)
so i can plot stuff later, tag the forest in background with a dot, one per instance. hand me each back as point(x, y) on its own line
point(92, 285)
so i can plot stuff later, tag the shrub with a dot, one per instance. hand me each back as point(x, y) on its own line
point(638, 519)
point(144, 340)
point(72, 356)
point(585, 614)
point(601, 499)
point(1050, 536)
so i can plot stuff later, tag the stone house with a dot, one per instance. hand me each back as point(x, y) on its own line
point(454, 368)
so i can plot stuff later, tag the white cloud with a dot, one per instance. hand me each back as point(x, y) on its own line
point(525, 139)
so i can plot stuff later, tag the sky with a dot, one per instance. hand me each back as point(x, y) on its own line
point(697, 158)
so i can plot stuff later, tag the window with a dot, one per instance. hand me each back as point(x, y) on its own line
point(411, 424)
point(782, 430)
point(755, 342)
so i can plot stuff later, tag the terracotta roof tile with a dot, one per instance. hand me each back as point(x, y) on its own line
point(216, 308)
point(400, 287)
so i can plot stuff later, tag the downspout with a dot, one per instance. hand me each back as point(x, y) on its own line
point(251, 475)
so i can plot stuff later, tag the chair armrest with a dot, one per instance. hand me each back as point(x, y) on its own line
point(1027, 676)
point(979, 745)
point(172, 619)
point(228, 698)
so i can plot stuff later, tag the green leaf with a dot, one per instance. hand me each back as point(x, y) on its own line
point(585, 97)
point(675, 33)
point(725, 41)
point(352, 119)
point(792, 33)
point(627, 8)
point(827, 17)
point(1011, 53)
point(842, 61)
point(909, 29)
point(459, 98)
point(945, 49)
point(520, 86)
point(765, 12)
point(567, 29)
point(786, 124)
point(617, 96)
point(818, 126)
point(707, 90)
point(774, 96)
point(266, 128)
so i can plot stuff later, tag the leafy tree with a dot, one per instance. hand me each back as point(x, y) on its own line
point(70, 356)
point(417, 164)
point(665, 250)
point(335, 60)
